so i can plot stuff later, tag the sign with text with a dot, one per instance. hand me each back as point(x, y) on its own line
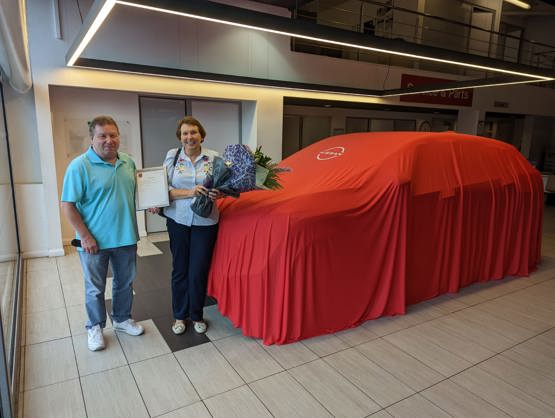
point(462, 97)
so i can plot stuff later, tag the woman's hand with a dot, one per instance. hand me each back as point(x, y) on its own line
point(153, 210)
point(199, 190)
point(214, 194)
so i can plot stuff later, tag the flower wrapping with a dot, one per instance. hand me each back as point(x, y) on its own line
point(240, 170)
point(240, 159)
point(219, 179)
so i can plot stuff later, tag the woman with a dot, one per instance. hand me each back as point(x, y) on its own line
point(192, 237)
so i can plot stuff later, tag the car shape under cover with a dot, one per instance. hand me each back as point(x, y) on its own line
point(369, 223)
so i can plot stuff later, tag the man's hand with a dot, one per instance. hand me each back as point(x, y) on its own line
point(88, 243)
point(154, 211)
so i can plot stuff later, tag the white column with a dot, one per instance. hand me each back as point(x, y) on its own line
point(527, 133)
point(467, 122)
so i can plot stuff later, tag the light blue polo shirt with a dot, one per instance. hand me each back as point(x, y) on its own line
point(104, 195)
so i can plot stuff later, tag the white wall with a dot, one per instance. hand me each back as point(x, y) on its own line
point(70, 105)
point(252, 54)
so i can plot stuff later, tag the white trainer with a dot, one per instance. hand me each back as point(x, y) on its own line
point(129, 326)
point(200, 327)
point(96, 339)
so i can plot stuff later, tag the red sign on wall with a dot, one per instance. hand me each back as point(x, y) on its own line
point(462, 97)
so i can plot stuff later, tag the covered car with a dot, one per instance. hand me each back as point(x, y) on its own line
point(369, 223)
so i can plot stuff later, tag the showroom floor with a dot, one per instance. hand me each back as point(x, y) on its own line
point(488, 351)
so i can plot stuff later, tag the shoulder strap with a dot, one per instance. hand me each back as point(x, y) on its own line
point(176, 156)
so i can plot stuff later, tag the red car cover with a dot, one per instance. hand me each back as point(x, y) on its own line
point(369, 223)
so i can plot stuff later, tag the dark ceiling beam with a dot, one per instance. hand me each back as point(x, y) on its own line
point(217, 77)
point(284, 84)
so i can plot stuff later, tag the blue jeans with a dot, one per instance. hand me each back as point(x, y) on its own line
point(95, 269)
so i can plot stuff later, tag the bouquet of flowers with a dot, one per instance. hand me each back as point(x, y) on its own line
point(240, 170)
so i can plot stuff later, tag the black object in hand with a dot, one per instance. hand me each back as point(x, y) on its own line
point(76, 242)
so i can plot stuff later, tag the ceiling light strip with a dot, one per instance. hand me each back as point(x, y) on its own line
point(95, 25)
point(347, 44)
point(476, 86)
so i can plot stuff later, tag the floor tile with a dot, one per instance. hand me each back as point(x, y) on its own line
point(41, 264)
point(541, 275)
point(46, 326)
point(40, 278)
point(471, 295)
point(290, 355)
point(74, 293)
point(536, 354)
point(479, 333)
point(381, 414)
point(462, 347)
point(108, 291)
point(219, 326)
point(113, 393)
point(158, 237)
point(404, 367)
point(71, 275)
point(44, 298)
point(60, 400)
point(502, 395)
point(208, 370)
point(284, 397)
point(146, 248)
point(149, 304)
point(142, 347)
point(325, 344)
point(196, 410)
point(356, 336)
point(388, 324)
point(447, 303)
point(415, 315)
point(459, 402)
point(434, 356)
point(179, 342)
point(69, 261)
point(479, 318)
point(96, 361)
point(163, 384)
point(376, 382)
point(237, 403)
point(247, 357)
point(339, 396)
point(522, 377)
point(502, 309)
point(49, 362)
point(416, 407)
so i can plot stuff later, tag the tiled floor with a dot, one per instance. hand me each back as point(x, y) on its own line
point(488, 351)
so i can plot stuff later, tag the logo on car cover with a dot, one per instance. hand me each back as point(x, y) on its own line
point(330, 153)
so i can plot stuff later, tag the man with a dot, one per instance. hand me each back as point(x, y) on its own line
point(98, 199)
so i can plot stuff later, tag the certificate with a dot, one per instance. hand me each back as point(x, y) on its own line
point(152, 188)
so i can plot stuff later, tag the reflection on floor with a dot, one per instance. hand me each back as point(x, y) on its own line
point(486, 351)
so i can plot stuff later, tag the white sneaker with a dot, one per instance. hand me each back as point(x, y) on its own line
point(129, 326)
point(200, 327)
point(95, 339)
